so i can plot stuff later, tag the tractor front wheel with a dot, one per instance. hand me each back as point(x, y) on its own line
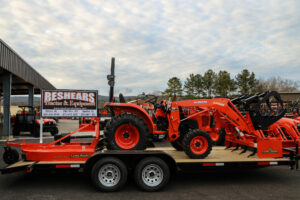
point(197, 144)
point(54, 131)
point(177, 144)
point(126, 131)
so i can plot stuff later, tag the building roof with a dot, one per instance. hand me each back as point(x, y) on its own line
point(23, 73)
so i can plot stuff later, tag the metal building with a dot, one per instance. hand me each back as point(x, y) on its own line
point(17, 77)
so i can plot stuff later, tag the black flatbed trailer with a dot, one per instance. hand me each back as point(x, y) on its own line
point(152, 168)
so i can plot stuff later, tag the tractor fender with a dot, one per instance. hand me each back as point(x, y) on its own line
point(37, 121)
point(118, 108)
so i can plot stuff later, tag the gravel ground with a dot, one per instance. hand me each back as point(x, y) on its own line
point(265, 183)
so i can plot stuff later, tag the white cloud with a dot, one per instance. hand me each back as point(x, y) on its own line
point(71, 42)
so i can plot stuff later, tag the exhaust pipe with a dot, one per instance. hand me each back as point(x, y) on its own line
point(111, 80)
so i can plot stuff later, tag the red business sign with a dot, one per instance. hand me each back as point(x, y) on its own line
point(69, 103)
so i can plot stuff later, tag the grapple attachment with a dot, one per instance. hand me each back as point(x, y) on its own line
point(264, 108)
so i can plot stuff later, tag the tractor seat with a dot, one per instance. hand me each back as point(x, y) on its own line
point(121, 98)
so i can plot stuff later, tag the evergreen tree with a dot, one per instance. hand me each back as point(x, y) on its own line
point(224, 85)
point(208, 82)
point(246, 82)
point(174, 88)
point(193, 86)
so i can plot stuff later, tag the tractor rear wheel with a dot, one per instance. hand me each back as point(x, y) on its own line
point(16, 131)
point(36, 131)
point(126, 131)
point(197, 144)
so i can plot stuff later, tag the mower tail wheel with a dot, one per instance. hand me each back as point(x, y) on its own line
point(152, 174)
point(109, 174)
point(197, 144)
point(10, 156)
point(126, 131)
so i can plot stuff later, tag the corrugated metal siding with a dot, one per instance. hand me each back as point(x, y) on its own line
point(12, 62)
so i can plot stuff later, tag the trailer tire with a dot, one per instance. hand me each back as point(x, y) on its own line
point(197, 144)
point(126, 131)
point(152, 174)
point(10, 156)
point(109, 174)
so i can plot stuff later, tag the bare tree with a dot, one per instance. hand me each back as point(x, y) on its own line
point(278, 84)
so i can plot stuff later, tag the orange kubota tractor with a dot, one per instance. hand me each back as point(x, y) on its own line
point(191, 124)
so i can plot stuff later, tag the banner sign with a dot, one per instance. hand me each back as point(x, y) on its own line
point(69, 103)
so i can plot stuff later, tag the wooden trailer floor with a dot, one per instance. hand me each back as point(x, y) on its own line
point(218, 154)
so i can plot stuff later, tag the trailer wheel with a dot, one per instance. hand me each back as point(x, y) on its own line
point(152, 174)
point(126, 131)
point(10, 156)
point(197, 144)
point(109, 174)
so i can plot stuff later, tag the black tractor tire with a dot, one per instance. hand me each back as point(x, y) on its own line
point(36, 131)
point(66, 140)
point(109, 174)
point(16, 131)
point(54, 131)
point(133, 122)
point(152, 174)
point(11, 156)
point(184, 128)
point(177, 144)
point(197, 144)
point(221, 139)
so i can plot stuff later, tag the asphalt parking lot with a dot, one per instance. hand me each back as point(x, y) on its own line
point(265, 183)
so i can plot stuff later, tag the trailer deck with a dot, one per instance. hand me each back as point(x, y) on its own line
point(219, 157)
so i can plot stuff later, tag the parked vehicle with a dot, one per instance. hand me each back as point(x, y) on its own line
point(28, 121)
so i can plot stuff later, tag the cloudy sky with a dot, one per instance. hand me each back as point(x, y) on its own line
point(71, 42)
